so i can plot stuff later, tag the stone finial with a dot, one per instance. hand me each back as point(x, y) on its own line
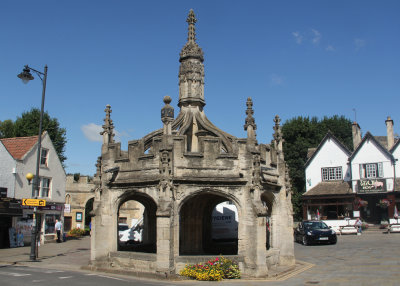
point(277, 129)
point(167, 115)
point(249, 112)
point(191, 20)
point(108, 127)
point(191, 49)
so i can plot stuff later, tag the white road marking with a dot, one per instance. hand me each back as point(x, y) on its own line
point(65, 277)
point(14, 274)
point(103, 276)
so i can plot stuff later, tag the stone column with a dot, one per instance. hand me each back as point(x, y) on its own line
point(165, 245)
point(260, 245)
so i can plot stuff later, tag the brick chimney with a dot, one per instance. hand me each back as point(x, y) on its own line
point(389, 130)
point(356, 131)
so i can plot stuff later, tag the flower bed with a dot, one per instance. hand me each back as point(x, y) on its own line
point(213, 270)
point(75, 233)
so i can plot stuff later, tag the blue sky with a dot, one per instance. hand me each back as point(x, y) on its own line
point(294, 58)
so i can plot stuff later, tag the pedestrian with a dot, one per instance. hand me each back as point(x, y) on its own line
point(58, 227)
point(358, 225)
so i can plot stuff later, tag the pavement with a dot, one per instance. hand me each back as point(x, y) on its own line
point(70, 255)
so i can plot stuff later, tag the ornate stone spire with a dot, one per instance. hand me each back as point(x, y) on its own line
point(250, 124)
point(191, 70)
point(191, 20)
point(108, 127)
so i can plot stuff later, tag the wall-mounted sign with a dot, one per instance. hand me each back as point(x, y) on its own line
point(67, 208)
point(371, 186)
point(79, 216)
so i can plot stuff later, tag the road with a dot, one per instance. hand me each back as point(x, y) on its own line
point(369, 259)
point(22, 275)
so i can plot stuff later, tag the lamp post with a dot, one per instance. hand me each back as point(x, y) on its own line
point(26, 76)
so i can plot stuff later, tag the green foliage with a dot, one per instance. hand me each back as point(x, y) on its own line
point(301, 133)
point(213, 270)
point(76, 177)
point(28, 125)
point(7, 129)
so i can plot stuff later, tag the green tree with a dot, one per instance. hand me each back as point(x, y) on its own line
point(302, 133)
point(28, 125)
point(7, 129)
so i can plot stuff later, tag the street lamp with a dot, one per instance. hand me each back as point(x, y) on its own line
point(26, 76)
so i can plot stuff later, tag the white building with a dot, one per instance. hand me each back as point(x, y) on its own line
point(339, 182)
point(18, 157)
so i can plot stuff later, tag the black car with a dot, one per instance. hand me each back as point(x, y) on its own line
point(310, 231)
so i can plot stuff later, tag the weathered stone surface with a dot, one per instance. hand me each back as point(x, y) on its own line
point(180, 172)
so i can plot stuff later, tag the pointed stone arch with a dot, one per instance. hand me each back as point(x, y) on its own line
point(195, 222)
point(148, 227)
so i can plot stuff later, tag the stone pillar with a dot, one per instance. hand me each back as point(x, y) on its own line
point(165, 245)
point(260, 245)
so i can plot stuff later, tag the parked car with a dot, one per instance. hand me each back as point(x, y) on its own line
point(130, 235)
point(122, 227)
point(310, 232)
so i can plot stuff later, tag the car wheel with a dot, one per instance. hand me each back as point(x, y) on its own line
point(305, 241)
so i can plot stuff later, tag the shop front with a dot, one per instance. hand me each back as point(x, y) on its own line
point(46, 218)
point(374, 201)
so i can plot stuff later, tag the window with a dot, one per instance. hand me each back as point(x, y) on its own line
point(49, 226)
point(331, 174)
point(43, 157)
point(44, 188)
point(372, 170)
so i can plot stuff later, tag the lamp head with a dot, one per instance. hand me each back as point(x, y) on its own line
point(26, 75)
point(29, 177)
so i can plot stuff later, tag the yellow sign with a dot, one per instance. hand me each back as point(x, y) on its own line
point(33, 202)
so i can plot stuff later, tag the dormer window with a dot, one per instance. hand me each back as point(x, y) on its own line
point(331, 173)
point(43, 157)
point(371, 170)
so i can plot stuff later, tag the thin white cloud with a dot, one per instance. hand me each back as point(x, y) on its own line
point(276, 79)
point(316, 36)
point(92, 132)
point(359, 43)
point(298, 37)
point(330, 48)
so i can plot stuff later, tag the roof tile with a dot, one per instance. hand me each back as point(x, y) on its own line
point(19, 146)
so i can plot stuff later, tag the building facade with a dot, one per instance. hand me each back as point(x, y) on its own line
point(18, 157)
point(364, 183)
point(79, 197)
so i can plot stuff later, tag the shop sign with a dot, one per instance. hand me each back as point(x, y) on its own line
point(371, 186)
point(46, 208)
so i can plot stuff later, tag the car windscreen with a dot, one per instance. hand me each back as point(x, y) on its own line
point(315, 225)
point(122, 227)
